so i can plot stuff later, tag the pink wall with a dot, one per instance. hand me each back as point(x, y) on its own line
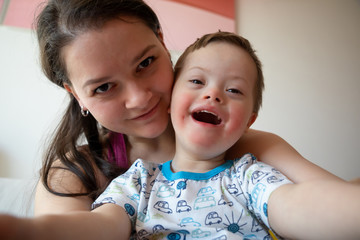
point(21, 13)
point(182, 20)
point(182, 24)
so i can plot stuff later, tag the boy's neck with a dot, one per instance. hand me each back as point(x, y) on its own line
point(189, 162)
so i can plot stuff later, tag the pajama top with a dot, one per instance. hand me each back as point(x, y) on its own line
point(228, 202)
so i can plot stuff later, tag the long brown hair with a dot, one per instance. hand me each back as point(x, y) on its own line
point(57, 25)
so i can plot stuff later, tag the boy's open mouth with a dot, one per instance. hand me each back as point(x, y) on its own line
point(206, 117)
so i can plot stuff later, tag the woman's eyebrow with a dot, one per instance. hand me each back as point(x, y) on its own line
point(94, 80)
point(135, 60)
point(142, 53)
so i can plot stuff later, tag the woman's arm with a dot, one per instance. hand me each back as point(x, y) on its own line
point(275, 151)
point(65, 182)
point(108, 221)
point(316, 210)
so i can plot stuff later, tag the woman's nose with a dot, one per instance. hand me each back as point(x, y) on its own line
point(137, 96)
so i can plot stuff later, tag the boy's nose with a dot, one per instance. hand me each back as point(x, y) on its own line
point(213, 95)
point(217, 99)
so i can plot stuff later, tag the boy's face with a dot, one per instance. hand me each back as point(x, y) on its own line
point(213, 99)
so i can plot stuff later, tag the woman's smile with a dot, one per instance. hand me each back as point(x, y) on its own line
point(147, 114)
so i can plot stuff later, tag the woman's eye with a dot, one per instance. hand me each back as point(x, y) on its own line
point(103, 88)
point(145, 63)
point(195, 81)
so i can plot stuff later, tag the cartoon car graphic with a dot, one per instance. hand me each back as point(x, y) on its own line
point(134, 197)
point(274, 179)
point(212, 218)
point(163, 206)
point(142, 233)
point(232, 189)
point(182, 206)
point(143, 217)
point(165, 191)
point(108, 200)
point(129, 209)
point(158, 228)
point(189, 221)
point(223, 202)
point(198, 233)
point(222, 237)
point(206, 191)
point(120, 180)
point(257, 195)
point(204, 202)
point(170, 183)
point(257, 176)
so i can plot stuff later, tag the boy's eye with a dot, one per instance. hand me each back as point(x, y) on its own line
point(196, 81)
point(234, 90)
point(103, 88)
point(145, 63)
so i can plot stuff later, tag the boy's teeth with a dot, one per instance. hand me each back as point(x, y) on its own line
point(207, 117)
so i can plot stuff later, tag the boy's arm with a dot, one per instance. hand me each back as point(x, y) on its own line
point(316, 210)
point(108, 221)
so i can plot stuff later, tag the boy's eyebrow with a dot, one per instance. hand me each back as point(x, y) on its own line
point(142, 53)
point(198, 67)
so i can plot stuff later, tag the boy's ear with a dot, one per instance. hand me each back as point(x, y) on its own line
point(251, 120)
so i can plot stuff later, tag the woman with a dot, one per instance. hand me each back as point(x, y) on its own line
point(111, 58)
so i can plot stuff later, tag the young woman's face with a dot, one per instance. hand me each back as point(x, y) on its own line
point(213, 99)
point(123, 75)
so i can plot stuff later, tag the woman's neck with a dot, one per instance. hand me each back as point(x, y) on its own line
point(159, 149)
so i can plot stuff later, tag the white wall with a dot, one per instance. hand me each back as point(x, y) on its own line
point(311, 56)
point(28, 104)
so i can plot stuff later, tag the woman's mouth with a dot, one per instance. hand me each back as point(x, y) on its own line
point(206, 117)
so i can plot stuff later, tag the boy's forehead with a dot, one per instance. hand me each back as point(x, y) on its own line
point(220, 54)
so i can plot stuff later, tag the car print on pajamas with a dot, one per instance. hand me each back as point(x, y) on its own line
point(198, 233)
point(189, 221)
point(108, 200)
point(129, 209)
point(223, 202)
point(232, 189)
point(163, 206)
point(212, 218)
point(257, 176)
point(206, 191)
point(158, 228)
point(165, 191)
point(274, 179)
point(204, 202)
point(182, 206)
point(143, 217)
point(222, 237)
point(257, 195)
